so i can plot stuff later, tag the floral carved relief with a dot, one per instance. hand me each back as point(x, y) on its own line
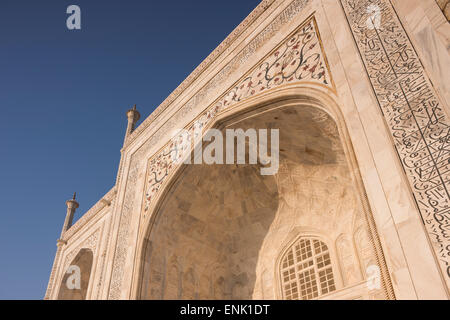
point(299, 58)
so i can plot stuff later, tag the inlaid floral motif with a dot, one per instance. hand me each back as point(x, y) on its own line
point(299, 58)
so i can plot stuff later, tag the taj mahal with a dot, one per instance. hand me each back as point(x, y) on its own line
point(359, 207)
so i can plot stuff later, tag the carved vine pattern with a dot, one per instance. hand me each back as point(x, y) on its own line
point(412, 111)
point(299, 58)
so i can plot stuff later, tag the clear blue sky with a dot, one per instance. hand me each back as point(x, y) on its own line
point(63, 97)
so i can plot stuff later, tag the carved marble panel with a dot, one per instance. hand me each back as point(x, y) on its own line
point(411, 108)
point(299, 58)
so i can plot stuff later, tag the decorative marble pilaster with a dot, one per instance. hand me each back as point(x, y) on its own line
point(411, 108)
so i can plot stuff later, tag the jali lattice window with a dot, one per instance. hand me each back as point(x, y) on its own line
point(306, 271)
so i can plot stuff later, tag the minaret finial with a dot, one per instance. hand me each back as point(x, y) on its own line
point(72, 205)
point(133, 116)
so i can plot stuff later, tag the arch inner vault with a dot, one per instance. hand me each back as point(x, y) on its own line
point(221, 230)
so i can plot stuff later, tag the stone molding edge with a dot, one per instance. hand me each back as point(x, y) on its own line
point(51, 280)
point(89, 242)
point(225, 44)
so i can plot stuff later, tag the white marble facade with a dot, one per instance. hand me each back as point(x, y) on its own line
point(360, 92)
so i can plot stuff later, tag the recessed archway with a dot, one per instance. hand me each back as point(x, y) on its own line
point(80, 267)
point(219, 231)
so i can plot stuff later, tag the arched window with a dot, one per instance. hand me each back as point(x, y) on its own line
point(306, 271)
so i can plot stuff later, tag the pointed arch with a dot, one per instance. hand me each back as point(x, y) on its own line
point(75, 282)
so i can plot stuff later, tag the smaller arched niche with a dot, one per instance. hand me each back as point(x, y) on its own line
point(81, 265)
